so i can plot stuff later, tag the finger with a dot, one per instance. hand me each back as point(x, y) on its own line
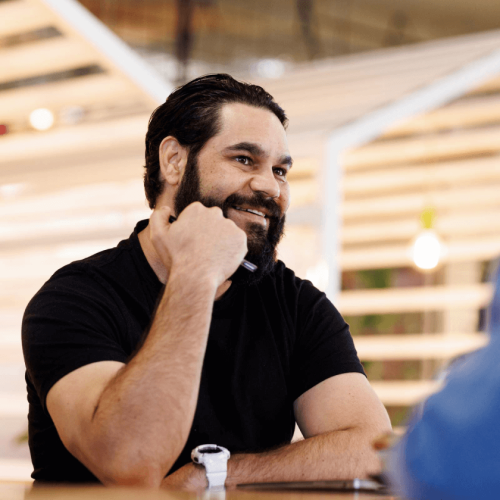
point(165, 213)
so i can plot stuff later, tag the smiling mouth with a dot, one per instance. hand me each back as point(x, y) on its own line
point(249, 210)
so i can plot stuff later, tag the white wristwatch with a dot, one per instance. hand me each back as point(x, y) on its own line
point(214, 458)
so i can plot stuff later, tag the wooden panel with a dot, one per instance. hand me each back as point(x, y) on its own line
point(427, 177)
point(404, 393)
point(17, 472)
point(387, 256)
point(456, 145)
point(83, 91)
point(452, 225)
point(398, 300)
point(22, 16)
point(424, 346)
point(51, 174)
point(466, 114)
point(412, 203)
point(112, 134)
point(13, 405)
point(43, 57)
point(88, 199)
point(304, 192)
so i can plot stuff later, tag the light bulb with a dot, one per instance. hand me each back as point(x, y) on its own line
point(41, 119)
point(427, 249)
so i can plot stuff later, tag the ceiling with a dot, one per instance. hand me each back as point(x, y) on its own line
point(237, 34)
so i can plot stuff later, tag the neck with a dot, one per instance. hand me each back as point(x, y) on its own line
point(162, 269)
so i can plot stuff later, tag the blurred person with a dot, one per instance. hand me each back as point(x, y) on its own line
point(450, 450)
point(140, 353)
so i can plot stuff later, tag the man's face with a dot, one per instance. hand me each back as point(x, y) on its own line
point(243, 168)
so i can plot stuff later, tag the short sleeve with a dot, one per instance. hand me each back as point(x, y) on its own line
point(71, 322)
point(323, 345)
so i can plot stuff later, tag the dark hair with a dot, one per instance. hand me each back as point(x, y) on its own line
point(190, 114)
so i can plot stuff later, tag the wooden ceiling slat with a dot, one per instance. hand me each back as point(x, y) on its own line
point(43, 57)
point(404, 393)
point(413, 203)
point(423, 177)
point(23, 16)
point(448, 225)
point(423, 346)
point(103, 89)
point(400, 300)
point(370, 256)
point(112, 134)
point(463, 114)
point(461, 143)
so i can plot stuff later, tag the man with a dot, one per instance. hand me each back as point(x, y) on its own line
point(139, 354)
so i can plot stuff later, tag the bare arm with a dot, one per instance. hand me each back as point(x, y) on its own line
point(113, 417)
point(339, 418)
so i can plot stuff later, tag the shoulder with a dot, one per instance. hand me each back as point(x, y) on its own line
point(79, 286)
point(298, 291)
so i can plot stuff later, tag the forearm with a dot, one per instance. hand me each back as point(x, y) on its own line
point(145, 413)
point(344, 454)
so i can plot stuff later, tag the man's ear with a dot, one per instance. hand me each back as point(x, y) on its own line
point(173, 159)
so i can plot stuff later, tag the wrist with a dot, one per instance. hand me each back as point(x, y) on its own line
point(191, 279)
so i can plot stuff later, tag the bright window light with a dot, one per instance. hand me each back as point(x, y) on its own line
point(318, 275)
point(41, 119)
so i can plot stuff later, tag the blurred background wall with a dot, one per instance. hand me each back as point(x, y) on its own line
point(394, 114)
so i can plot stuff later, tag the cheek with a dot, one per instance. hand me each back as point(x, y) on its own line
point(285, 197)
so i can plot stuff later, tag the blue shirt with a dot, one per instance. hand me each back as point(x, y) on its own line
point(452, 447)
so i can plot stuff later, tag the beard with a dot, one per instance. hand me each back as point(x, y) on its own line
point(262, 241)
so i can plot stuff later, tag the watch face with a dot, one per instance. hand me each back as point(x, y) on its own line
point(209, 449)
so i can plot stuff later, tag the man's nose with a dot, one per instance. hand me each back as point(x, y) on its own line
point(266, 183)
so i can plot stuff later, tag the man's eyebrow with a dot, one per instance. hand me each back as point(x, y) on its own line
point(256, 150)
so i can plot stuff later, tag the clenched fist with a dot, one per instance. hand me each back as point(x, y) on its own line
point(201, 241)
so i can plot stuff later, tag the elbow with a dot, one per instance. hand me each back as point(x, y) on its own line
point(143, 476)
point(124, 467)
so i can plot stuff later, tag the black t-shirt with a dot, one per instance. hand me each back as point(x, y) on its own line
point(268, 344)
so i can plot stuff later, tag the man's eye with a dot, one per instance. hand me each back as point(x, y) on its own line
point(245, 160)
point(280, 171)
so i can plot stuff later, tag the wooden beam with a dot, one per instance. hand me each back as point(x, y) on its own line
point(44, 57)
point(101, 89)
point(423, 346)
point(476, 249)
point(70, 141)
point(23, 16)
point(404, 393)
point(453, 225)
point(462, 114)
point(399, 300)
point(463, 144)
point(427, 176)
point(452, 198)
point(13, 405)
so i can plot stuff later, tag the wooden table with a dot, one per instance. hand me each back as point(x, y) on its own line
point(25, 492)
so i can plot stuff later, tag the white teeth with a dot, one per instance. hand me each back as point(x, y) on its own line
point(251, 211)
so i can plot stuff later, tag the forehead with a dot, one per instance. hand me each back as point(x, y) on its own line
point(244, 123)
